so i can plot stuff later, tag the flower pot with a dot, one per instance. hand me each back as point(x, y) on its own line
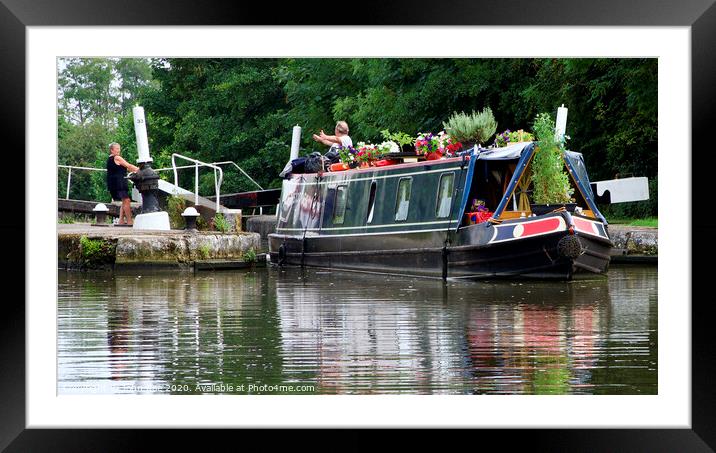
point(466, 146)
point(364, 164)
point(384, 162)
point(434, 155)
point(338, 167)
point(541, 209)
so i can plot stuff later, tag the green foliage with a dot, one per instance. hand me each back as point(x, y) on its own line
point(201, 224)
point(220, 223)
point(97, 251)
point(66, 219)
point(97, 90)
point(250, 255)
point(401, 138)
point(471, 128)
point(243, 109)
point(508, 137)
point(175, 207)
point(551, 182)
point(204, 251)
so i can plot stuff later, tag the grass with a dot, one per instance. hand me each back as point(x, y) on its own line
point(645, 222)
point(204, 251)
point(250, 255)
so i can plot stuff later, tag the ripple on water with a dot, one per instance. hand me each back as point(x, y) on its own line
point(357, 334)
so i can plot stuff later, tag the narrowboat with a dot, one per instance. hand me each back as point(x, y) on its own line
point(467, 216)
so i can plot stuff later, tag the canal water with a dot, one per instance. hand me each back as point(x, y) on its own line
point(294, 331)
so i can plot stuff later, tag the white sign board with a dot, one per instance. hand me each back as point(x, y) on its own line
point(624, 189)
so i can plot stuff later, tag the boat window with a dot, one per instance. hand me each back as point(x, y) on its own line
point(403, 199)
point(371, 201)
point(445, 189)
point(340, 206)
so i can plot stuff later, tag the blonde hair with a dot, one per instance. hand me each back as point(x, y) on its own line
point(112, 145)
point(342, 127)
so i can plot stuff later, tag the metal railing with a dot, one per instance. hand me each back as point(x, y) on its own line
point(174, 168)
point(197, 163)
point(69, 175)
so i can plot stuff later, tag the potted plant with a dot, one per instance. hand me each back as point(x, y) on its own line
point(431, 146)
point(509, 138)
point(348, 159)
point(404, 141)
point(471, 129)
point(551, 182)
point(383, 153)
point(366, 154)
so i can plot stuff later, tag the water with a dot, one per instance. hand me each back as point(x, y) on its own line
point(294, 331)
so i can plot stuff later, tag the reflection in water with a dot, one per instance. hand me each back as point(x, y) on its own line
point(343, 333)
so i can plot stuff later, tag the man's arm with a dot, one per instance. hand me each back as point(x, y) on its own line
point(119, 160)
point(331, 139)
point(323, 139)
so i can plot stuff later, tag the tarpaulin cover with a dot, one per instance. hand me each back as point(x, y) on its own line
point(506, 153)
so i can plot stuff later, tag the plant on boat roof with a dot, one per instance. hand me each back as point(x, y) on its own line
point(347, 154)
point(551, 182)
point(367, 152)
point(475, 127)
point(427, 143)
point(401, 138)
point(509, 137)
point(388, 146)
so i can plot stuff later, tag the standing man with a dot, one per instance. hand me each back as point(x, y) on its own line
point(341, 138)
point(117, 183)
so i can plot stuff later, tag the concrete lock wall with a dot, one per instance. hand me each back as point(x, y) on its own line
point(107, 251)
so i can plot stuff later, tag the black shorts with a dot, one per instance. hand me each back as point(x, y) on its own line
point(119, 195)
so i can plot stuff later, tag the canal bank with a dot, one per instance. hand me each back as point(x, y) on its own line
point(83, 246)
point(634, 244)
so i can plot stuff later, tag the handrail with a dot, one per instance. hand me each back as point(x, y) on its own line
point(174, 168)
point(217, 183)
point(82, 168)
point(218, 163)
point(241, 170)
point(69, 175)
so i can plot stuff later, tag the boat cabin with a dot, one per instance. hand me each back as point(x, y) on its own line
point(425, 195)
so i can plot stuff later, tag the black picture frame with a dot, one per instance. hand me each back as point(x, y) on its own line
point(700, 15)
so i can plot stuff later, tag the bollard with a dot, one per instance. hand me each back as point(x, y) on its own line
point(100, 211)
point(190, 215)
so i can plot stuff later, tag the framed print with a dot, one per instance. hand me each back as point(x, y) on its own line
point(38, 37)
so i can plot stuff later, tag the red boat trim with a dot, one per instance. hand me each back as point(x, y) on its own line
point(585, 226)
point(527, 229)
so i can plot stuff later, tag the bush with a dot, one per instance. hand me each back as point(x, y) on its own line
point(474, 127)
point(551, 182)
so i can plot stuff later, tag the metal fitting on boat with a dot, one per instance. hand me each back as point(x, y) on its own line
point(569, 247)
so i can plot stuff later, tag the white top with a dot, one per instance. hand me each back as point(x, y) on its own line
point(346, 141)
